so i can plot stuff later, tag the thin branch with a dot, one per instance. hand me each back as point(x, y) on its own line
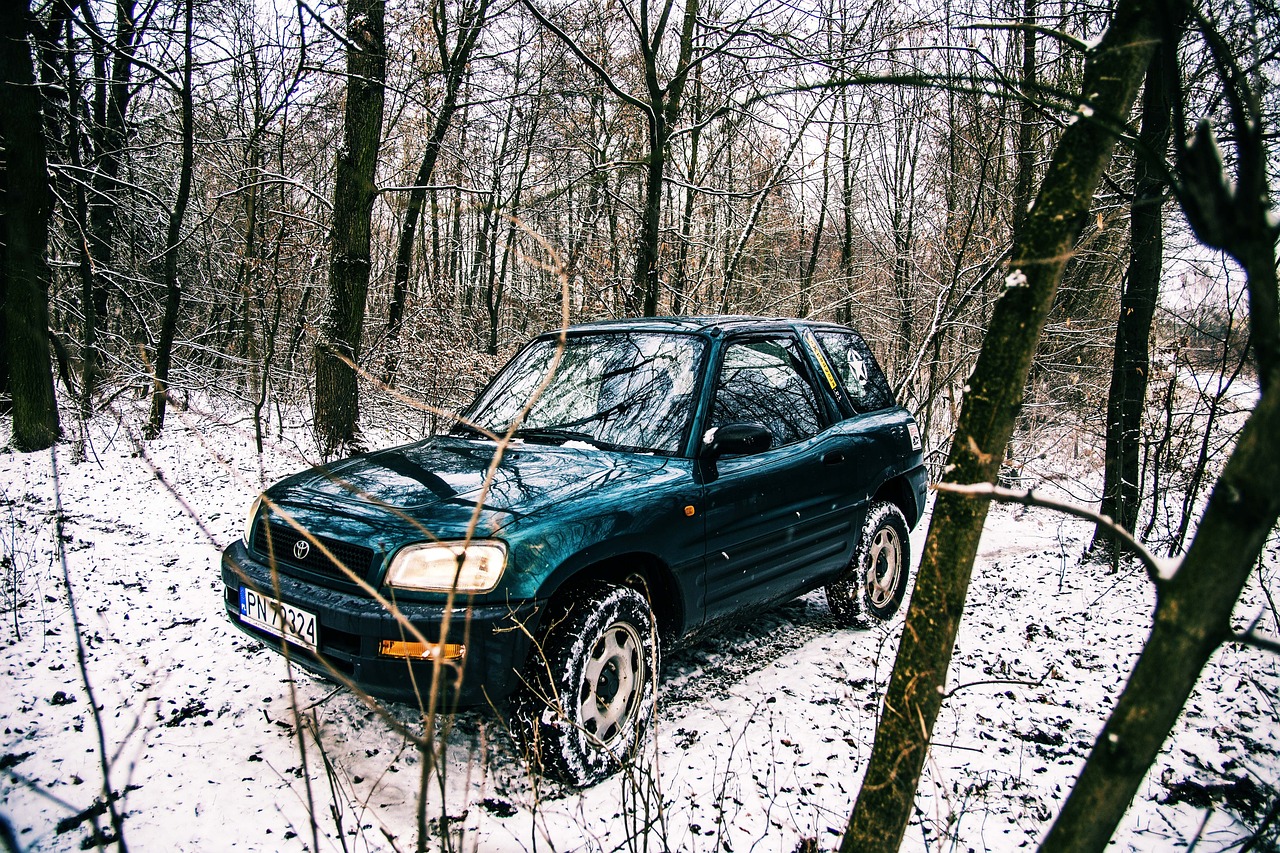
point(1020, 682)
point(1258, 641)
point(582, 55)
point(1039, 29)
point(1159, 570)
point(324, 25)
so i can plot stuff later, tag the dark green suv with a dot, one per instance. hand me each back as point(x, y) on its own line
point(615, 490)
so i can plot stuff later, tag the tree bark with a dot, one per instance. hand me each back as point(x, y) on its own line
point(1121, 489)
point(25, 207)
point(338, 348)
point(917, 686)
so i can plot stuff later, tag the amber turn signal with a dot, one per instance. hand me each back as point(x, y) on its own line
point(423, 651)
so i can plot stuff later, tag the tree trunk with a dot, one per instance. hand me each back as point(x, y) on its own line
point(111, 110)
point(1121, 490)
point(173, 290)
point(408, 233)
point(25, 207)
point(1193, 617)
point(1026, 155)
point(918, 683)
point(647, 280)
point(337, 392)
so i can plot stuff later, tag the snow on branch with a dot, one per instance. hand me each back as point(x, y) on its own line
point(1160, 570)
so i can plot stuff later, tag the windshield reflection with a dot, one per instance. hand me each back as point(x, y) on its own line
point(625, 390)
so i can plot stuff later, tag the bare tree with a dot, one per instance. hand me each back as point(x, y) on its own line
point(659, 102)
point(454, 59)
point(337, 392)
point(1195, 599)
point(113, 94)
point(1122, 489)
point(173, 289)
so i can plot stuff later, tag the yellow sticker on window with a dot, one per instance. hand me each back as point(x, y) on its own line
point(812, 343)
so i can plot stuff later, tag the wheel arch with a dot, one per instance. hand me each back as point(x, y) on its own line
point(643, 571)
point(898, 491)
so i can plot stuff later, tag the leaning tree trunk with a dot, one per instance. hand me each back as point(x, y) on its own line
point(1121, 491)
point(25, 207)
point(337, 393)
point(917, 686)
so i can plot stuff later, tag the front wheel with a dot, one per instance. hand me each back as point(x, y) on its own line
point(590, 695)
point(876, 580)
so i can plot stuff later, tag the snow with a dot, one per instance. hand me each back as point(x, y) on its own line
point(1015, 279)
point(762, 732)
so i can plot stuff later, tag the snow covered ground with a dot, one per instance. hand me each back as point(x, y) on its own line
point(762, 734)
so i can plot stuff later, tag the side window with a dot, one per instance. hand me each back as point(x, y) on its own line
point(852, 359)
point(762, 382)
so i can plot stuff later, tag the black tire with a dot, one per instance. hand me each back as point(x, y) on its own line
point(871, 589)
point(589, 696)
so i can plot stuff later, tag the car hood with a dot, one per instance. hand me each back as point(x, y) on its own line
point(441, 479)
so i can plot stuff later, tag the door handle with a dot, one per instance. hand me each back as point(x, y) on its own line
point(834, 457)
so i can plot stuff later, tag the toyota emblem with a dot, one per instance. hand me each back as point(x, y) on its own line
point(301, 549)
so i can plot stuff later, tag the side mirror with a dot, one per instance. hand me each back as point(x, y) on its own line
point(735, 439)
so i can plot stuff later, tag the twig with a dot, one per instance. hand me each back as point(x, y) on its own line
point(1160, 570)
point(1022, 683)
point(1059, 35)
point(1258, 641)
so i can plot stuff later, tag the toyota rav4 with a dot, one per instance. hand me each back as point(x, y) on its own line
point(618, 488)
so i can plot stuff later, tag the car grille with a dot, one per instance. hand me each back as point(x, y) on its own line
point(284, 540)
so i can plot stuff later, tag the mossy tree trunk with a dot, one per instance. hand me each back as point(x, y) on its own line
point(1113, 73)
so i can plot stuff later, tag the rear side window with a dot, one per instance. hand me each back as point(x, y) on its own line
point(862, 378)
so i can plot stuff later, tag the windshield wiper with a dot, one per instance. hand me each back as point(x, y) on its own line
point(554, 435)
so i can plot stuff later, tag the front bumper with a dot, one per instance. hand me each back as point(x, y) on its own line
point(351, 627)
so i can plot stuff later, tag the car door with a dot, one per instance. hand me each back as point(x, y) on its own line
point(776, 519)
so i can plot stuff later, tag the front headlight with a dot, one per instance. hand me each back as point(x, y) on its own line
point(443, 566)
point(249, 519)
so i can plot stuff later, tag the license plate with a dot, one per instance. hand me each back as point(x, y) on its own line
point(275, 617)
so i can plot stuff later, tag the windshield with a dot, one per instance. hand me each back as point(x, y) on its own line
point(624, 390)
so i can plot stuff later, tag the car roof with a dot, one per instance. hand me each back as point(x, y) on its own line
point(712, 324)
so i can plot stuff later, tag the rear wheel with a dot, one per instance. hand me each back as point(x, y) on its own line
point(587, 703)
point(871, 589)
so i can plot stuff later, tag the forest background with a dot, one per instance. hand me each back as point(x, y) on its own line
point(362, 209)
